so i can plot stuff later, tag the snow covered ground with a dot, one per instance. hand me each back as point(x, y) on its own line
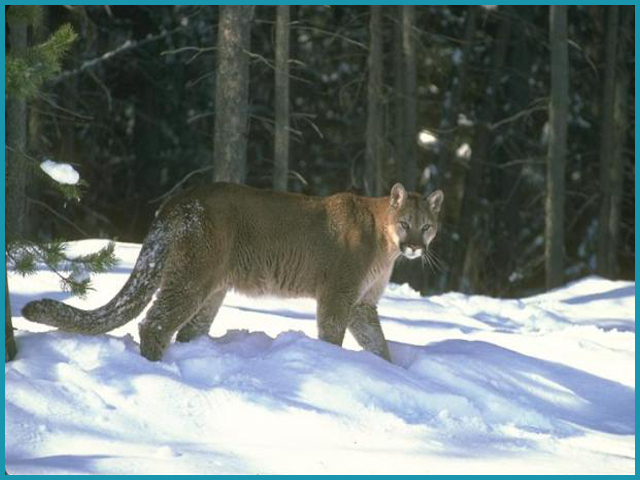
point(478, 385)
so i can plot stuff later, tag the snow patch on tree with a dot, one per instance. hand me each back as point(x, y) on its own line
point(60, 172)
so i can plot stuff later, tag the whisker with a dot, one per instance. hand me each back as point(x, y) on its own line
point(426, 260)
point(433, 262)
point(437, 260)
point(434, 266)
point(433, 252)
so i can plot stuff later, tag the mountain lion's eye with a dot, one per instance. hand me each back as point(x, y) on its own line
point(426, 228)
point(404, 225)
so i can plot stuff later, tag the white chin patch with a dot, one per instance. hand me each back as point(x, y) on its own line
point(411, 253)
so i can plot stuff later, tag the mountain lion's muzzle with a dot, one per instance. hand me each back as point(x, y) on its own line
point(412, 250)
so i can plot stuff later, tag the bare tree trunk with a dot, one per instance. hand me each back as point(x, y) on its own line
point(9, 341)
point(16, 144)
point(451, 174)
point(398, 99)
point(281, 153)
point(507, 217)
point(461, 259)
point(374, 135)
point(450, 117)
point(621, 125)
point(410, 174)
point(607, 147)
point(232, 93)
point(621, 112)
point(558, 111)
point(405, 128)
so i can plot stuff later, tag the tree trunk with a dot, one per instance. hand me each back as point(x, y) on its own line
point(617, 174)
point(410, 171)
point(398, 99)
point(16, 144)
point(281, 150)
point(374, 135)
point(406, 130)
point(558, 111)
point(451, 174)
point(460, 259)
point(450, 117)
point(9, 341)
point(69, 101)
point(621, 112)
point(35, 218)
point(607, 146)
point(232, 93)
point(511, 191)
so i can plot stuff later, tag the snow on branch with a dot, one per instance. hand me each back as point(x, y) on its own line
point(60, 172)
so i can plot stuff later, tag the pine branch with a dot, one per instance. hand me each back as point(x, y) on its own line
point(25, 256)
point(26, 71)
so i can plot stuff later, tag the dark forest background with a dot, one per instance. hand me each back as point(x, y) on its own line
point(452, 97)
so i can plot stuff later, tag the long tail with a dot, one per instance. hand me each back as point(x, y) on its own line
point(125, 306)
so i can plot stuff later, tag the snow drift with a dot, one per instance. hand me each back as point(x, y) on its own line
point(478, 385)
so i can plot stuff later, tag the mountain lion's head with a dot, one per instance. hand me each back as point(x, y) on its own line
point(414, 220)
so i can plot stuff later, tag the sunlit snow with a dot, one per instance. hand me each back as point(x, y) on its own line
point(478, 385)
point(464, 151)
point(425, 137)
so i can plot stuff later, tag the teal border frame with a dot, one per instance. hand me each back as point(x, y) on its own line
point(320, 3)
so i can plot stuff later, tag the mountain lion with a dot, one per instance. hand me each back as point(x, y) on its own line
point(339, 250)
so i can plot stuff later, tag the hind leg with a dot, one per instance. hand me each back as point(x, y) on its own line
point(186, 287)
point(171, 309)
point(195, 267)
point(366, 329)
point(202, 320)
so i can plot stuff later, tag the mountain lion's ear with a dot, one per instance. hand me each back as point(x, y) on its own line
point(398, 196)
point(435, 201)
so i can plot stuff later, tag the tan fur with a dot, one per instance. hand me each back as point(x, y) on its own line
point(339, 250)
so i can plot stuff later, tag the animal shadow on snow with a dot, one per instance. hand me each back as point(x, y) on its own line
point(292, 314)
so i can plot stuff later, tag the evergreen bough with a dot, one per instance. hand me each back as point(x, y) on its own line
point(25, 72)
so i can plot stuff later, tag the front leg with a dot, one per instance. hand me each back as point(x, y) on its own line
point(333, 316)
point(366, 329)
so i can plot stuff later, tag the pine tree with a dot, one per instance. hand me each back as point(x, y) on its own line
point(27, 68)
